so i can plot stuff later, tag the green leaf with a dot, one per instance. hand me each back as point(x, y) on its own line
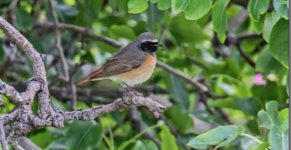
point(83, 135)
point(264, 119)
point(179, 90)
point(137, 6)
point(179, 5)
point(164, 4)
point(279, 42)
point(168, 141)
point(284, 118)
point(181, 119)
point(23, 20)
point(145, 145)
point(88, 11)
point(219, 19)
point(262, 146)
point(248, 105)
point(219, 136)
point(281, 6)
point(58, 144)
point(121, 31)
point(257, 7)
point(196, 9)
point(278, 138)
point(267, 64)
point(270, 20)
point(180, 28)
point(258, 25)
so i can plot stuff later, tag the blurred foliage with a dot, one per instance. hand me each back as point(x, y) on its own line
point(200, 39)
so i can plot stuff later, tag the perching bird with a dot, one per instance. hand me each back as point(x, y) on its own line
point(133, 64)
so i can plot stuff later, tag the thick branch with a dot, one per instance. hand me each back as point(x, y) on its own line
point(129, 98)
point(37, 64)
point(83, 31)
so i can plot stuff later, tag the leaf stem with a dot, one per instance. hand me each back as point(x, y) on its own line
point(251, 137)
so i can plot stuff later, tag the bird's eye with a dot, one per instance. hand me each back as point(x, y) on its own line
point(149, 46)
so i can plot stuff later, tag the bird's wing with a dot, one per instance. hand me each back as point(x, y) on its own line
point(123, 61)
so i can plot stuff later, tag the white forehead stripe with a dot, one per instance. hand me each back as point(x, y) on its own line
point(151, 40)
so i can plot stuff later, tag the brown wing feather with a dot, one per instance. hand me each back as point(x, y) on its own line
point(124, 61)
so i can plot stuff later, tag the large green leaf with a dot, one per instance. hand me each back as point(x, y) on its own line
point(278, 126)
point(184, 30)
point(270, 20)
point(257, 7)
point(219, 136)
point(168, 141)
point(83, 135)
point(278, 138)
point(180, 119)
point(282, 7)
point(179, 90)
point(247, 105)
point(196, 9)
point(219, 18)
point(137, 6)
point(121, 31)
point(279, 41)
point(267, 64)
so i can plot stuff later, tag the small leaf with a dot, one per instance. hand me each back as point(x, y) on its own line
point(196, 9)
point(83, 135)
point(219, 136)
point(168, 141)
point(219, 18)
point(257, 7)
point(137, 6)
point(281, 6)
point(279, 42)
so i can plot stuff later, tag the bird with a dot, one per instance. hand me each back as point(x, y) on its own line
point(132, 65)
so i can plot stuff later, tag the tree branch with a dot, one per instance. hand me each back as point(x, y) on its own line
point(23, 118)
point(37, 65)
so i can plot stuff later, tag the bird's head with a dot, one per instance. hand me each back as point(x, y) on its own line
point(148, 42)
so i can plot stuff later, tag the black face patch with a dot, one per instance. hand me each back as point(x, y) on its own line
point(149, 46)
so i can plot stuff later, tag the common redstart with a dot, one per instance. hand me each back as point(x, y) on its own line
point(133, 64)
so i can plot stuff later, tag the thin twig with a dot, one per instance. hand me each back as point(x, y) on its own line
point(183, 76)
point(246, 57)
point(59, 41)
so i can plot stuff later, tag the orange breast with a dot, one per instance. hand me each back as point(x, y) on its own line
point(140, 74)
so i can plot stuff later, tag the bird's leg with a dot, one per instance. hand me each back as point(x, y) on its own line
point(130, 90)
point(127, 87)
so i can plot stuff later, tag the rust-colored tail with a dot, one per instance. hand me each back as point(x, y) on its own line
point(92, 76)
